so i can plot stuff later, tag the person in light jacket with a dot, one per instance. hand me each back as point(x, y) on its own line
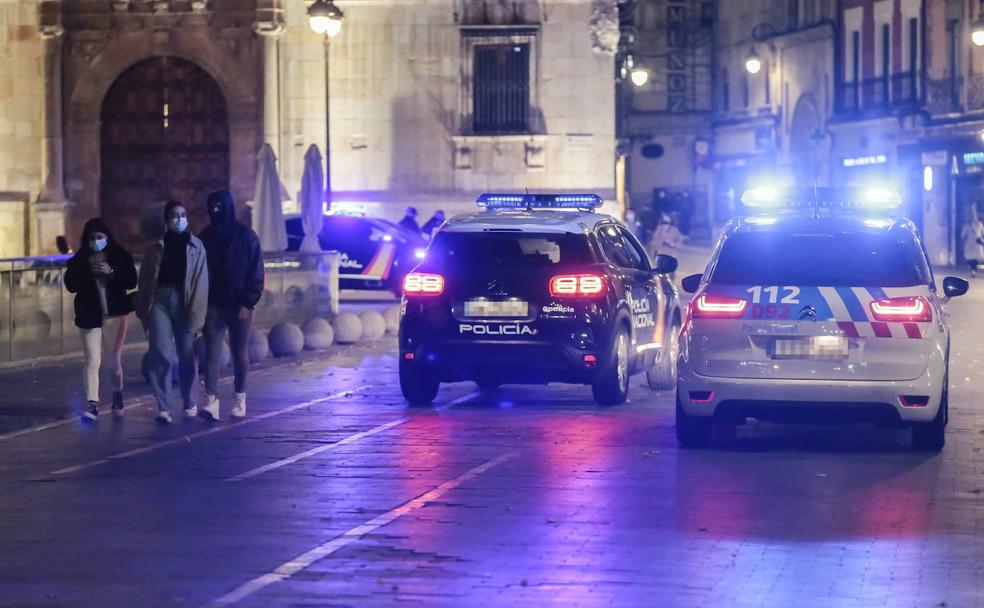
point(972, 236)
point(236, 275)
point(172, 302)
point(100, 274)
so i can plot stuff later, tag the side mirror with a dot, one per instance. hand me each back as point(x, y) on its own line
point(691, 283)
point(955, 286)
point(665, 264)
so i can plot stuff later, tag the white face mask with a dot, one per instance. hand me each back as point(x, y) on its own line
point(179, 224)
point(98, 244)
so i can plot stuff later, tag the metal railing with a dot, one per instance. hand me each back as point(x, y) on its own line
point(37, 316)
point(880, 93)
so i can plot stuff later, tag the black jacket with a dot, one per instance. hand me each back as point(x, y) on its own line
point(82, 282)
point(235, 260)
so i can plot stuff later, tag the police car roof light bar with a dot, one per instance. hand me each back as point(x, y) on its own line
point(866, 199)
point(530, 201)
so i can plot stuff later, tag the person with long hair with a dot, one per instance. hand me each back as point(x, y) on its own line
point(100, 274)
point(171, 302)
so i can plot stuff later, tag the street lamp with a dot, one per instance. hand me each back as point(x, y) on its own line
point(326, 19)
point(977, 31)
point(753, 63)
point(639, 76)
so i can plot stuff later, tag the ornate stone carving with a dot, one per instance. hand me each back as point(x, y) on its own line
point(199, 6)
point(48, 32)
point(120, 6)
point(87, 47)
point(273, 27)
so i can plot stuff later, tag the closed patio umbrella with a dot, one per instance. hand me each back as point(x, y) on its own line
point(267, 202)
point(312, 197)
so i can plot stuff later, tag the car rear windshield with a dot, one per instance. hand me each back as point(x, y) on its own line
point(462, 250)
point(835, 260)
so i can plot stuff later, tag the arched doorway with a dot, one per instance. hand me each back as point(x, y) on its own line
point(164, 135)
point(804, 144)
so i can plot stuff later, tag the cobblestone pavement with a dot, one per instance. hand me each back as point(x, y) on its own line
point(334, 493)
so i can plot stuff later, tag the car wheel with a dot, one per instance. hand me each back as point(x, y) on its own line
point(612, 387)
point(692, 431)
point(419, 386)
point(931, 436)
point(663, 376)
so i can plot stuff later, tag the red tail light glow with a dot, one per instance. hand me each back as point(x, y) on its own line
point(911, 309)
point(577, 286)
point(707, 306)
point(423, 284)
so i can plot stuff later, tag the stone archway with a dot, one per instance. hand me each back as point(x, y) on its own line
point(164, 134)
point(234, 66)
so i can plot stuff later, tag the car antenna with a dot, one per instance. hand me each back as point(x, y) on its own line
point(529, 201)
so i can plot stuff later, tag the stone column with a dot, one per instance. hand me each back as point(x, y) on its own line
point(271, 30)
point(52, 206)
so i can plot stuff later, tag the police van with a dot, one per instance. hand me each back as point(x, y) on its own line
point(821, 305)
point(538, 288)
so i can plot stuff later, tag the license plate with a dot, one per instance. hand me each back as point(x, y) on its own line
point(812, 347)
point(486, 309)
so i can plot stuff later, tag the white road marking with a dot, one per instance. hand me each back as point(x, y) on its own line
point(132, 403)
point(306, 560)
point(331, 446)
point(216, 429)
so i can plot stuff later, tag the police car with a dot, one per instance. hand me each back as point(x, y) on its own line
point(535, 289)
point(375, 253)
point(818, 306)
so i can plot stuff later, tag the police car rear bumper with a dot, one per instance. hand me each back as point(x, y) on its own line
point(512, 362)
point(808, 400)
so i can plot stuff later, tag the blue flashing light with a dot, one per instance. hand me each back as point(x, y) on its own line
point(539, 201)
point(420, 253)
point(867, 199)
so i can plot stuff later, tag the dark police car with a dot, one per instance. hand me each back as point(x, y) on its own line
point(536, 289)
point(375, 253)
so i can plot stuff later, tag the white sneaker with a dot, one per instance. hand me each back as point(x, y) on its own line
point(191, 411)
point(239, 407)
point(210, 411)
point(163, 417)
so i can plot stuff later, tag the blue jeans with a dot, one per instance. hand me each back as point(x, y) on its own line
point(170, 339)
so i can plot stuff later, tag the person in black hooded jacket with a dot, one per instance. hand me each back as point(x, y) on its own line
point(236, 278)
point(100, 274)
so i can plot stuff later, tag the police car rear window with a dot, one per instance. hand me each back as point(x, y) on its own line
point(511, 250)
point(835, 260)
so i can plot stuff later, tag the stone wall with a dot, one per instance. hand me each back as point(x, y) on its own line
point(21, 105)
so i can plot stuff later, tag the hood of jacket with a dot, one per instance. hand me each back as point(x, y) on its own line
point(222, 212)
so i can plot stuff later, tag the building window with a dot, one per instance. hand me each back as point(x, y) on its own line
point(725, 90)
point(499, 81)
point(744, 91)
point(501, 88)
point(793, 21)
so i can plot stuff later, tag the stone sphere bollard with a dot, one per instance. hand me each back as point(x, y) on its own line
point(294, 296)
point(392, 316)
point(224, 358)
point(348, 328)
point(286, 339)
point(258, 347)
point(373, 325)
point(318, 334)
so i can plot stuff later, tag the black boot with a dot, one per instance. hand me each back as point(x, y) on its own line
point(118, 404)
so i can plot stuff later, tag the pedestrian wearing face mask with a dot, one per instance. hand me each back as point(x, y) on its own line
point(100, 274)
point(236, 274)
point(172, 301)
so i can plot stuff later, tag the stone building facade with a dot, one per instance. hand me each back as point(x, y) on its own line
point(107, 107)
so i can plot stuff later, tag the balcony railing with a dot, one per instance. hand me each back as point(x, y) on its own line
point(878, 94)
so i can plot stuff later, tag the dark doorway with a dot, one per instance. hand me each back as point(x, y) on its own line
point(165, 135)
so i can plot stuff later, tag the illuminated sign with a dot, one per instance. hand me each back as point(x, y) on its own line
point(973, 158)
point(865, 161)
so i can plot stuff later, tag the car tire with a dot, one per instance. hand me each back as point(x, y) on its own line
point(612, 386)
point(931, 436)
point(663, 375)
point(692, 432)
point(419, 386)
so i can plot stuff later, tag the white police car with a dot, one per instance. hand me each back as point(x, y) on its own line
point(538, 288)
point(818, 306)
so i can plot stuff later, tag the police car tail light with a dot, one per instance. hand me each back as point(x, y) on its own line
point(708, 306)
point(913, 309)
point(577, 286)
point(423, 284)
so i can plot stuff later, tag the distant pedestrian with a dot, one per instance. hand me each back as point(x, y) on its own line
point(409, 220)
point(433, 223)
point(172, 301)
point(665, 238)
point(100, 274)
point(973, 243)
point(235, 263)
